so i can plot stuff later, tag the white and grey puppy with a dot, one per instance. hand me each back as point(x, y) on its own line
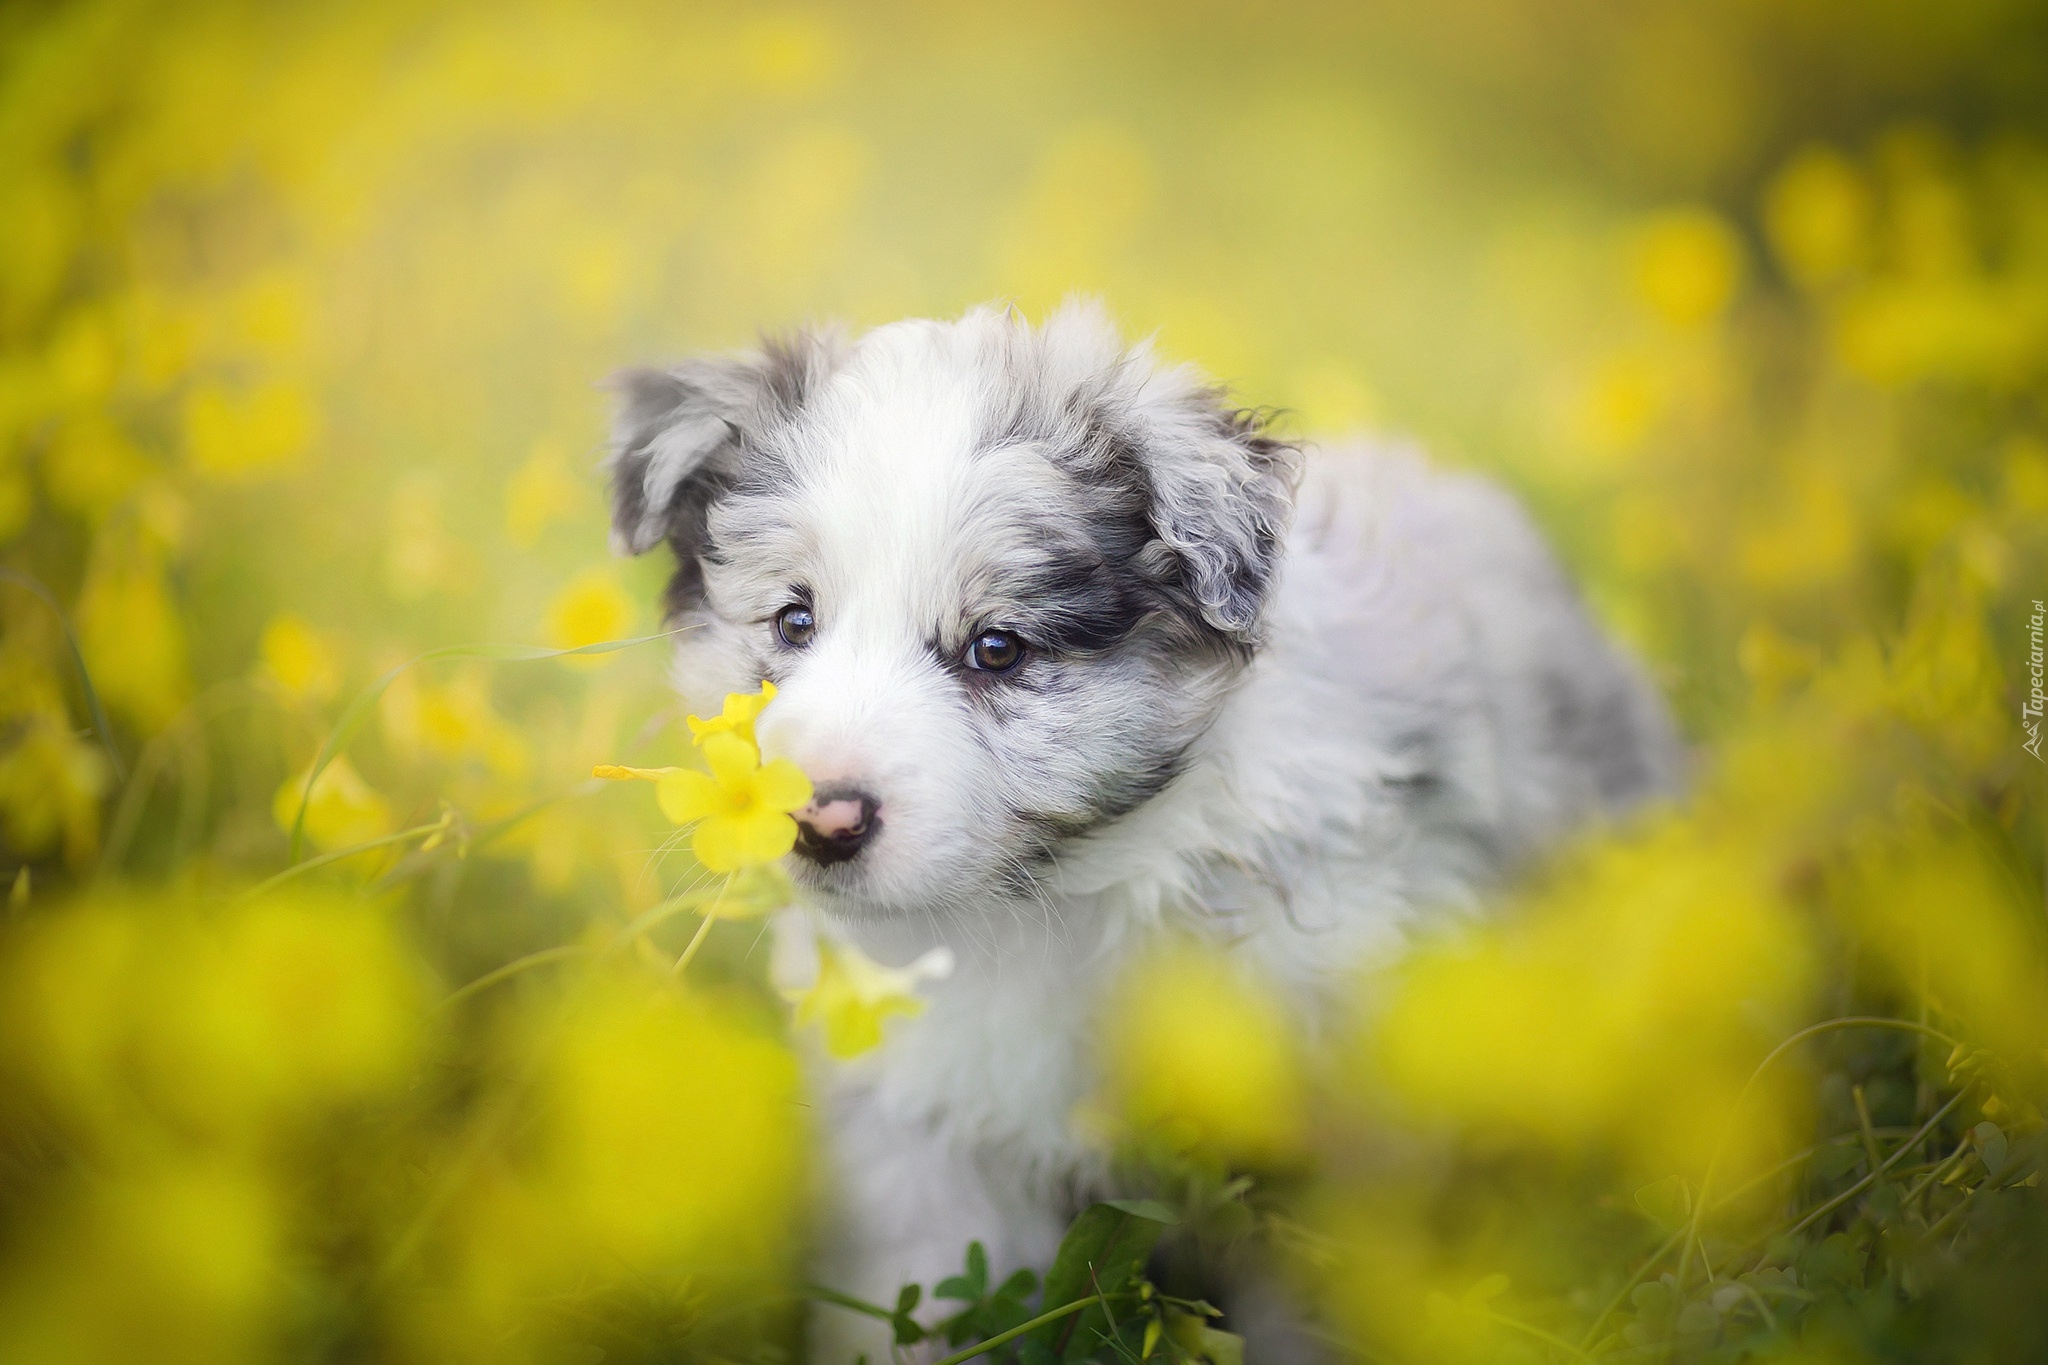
point(1078, 654)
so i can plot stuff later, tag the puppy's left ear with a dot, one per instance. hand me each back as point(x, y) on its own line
point(1222, 495)
point(680, 435)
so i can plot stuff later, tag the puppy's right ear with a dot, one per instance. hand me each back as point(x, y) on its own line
point(680, 435)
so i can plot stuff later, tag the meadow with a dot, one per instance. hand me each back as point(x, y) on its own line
point(346, 1016)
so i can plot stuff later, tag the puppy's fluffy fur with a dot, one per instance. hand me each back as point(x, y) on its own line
point(1285, 704)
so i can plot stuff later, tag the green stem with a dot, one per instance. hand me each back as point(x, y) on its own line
point(1871, 1179)
point(1005, 1338)
point(669, 908)
point(512, 969)
point(833, 1296)
point(1699, 1208)
point(322, 860)
point(1628, 1287)
point(359, 706)
point(1537, 1332)
point(703, 930)
point(100, 728)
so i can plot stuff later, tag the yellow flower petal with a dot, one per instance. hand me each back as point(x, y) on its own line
point(732, 761)
point(727, 843)
point(617, 772)
point(782, 786)
point(685, 795)
point(853, 995)
point(738, 717)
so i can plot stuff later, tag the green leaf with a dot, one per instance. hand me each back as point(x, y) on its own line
point(977, 1268)
point(1104, 1250)
point(1833, 1261)
point(1830, 1164)
point(955, 1287)
point(1698, 1319)
point(1990, 1145)
point(1021, 1285)
point(1196, 1338)
point(908, 1331)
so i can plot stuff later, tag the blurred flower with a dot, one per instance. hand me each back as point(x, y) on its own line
point(1952, 927)
point(1626, 1005)
point(176, 1050)
point(51, 782)
point(665, 1158)
point(453, 719)
point(133, 1019)
point(1197, 1054)
point(91, 465)
point(173, 1262)
point(341, 811)
point(242, 433)
point(1332, 396)
point(788, 53)
point(1626, 396)
point(1817, 216)
point(83, 358)
point(132, 637)
point(420, 557)
point(1807, 537)
point(539, 493)
point(854, 994)
point(1085, 204)
point(1686, 264)
point(295, 657)
point(591, 609)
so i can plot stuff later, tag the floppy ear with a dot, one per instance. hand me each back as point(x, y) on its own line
point(1222, 494)
point(680, 435)
point(1214, 488)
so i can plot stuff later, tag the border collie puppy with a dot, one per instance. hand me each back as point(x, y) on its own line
point(1079, 655)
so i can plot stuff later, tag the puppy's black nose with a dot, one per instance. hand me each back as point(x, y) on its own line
point(837, 824)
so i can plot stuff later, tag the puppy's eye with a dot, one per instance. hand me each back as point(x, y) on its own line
point(795, 625)
point(995, 651)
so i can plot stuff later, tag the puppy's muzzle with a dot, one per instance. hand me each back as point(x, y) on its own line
point(837, 825)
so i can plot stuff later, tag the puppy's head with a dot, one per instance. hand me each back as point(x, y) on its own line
point(1002, 576)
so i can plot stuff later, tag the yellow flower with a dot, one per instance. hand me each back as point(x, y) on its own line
point(295, 655)
point(741, 710)
point(132, 635)
point(854, 994)
point(238, 434)
point(1201, 1055)
point(590, 610)
point(1687, 266)
point(539, 494)
point(344, 809)
point(741, 807)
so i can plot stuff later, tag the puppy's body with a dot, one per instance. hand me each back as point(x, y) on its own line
point(1283, 709)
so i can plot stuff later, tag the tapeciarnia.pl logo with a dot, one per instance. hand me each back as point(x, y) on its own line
point(2030, 709)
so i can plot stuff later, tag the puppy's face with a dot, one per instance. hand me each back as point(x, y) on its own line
point(1001, 577)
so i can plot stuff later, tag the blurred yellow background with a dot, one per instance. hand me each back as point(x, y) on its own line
point(304, 310)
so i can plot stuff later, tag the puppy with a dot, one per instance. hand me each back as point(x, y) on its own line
point(1078, 654)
